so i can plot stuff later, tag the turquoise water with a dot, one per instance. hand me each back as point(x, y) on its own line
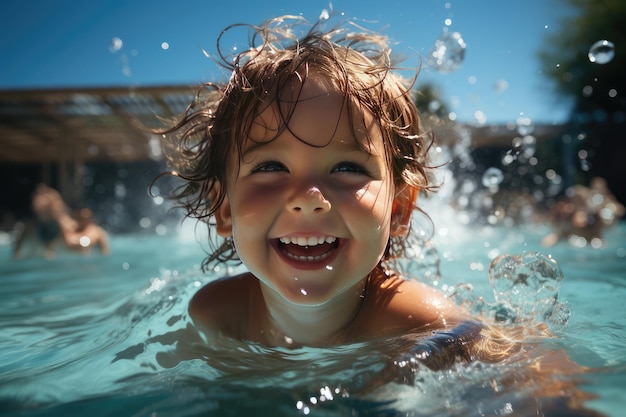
point(100, 336)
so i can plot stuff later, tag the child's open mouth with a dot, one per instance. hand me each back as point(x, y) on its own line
point(307, 252)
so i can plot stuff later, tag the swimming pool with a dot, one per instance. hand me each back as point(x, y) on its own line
point(99, 336)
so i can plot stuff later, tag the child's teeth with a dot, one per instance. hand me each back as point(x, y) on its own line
point(304, 241)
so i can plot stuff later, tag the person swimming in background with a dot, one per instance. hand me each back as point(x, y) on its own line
point(44, 229)
point(52, 224)
point(583, 214)
point(81, 232)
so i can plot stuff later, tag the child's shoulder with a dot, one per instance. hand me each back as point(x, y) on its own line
point(222, 305)
point(408, 304)
point(407, 293)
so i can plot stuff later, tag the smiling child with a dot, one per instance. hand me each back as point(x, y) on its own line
point(309, 162)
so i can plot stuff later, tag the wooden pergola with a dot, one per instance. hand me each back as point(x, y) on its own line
point(84, 124)
point(63, 129)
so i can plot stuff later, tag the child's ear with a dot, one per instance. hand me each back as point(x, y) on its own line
point(403, 206)
point(223, 218)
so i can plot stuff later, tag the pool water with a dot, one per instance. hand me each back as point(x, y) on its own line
point(99, 336)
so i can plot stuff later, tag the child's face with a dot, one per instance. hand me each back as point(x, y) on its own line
point(310, 211)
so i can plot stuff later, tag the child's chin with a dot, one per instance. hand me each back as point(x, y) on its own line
point(307, 295)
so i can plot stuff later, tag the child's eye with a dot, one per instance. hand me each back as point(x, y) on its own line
point(269, 166)
point(350, 167)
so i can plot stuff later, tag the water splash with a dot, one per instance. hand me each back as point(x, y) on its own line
point(448, 52)
point(601, 52)
point(421, 259)
point(526, 289)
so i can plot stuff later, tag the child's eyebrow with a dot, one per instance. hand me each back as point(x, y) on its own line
point(253, 146)
point(350, 146)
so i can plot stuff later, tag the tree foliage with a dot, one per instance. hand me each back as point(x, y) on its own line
point(598, 90)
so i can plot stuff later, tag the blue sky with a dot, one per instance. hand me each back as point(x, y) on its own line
point(62, 43)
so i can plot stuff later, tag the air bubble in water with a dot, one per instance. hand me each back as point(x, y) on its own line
point(448, 53)
point(601, 52)
point(492, 177)
point(528, 287)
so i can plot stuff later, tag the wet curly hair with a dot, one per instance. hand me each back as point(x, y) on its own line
point(215, 128)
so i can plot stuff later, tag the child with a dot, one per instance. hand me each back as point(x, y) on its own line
point(310, 160)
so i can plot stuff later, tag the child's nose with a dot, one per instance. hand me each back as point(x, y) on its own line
point(310, 201)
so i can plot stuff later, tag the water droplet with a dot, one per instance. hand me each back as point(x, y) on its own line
point(433, 106)
point(501, 86)
point(480, 117)
point(524, 125)
point(116, 45)
point(145, 222)
point(448, 53)
point(585, 165)
point(508, 159)
point(492, 177)
point(601, 52)
point(525, 147)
